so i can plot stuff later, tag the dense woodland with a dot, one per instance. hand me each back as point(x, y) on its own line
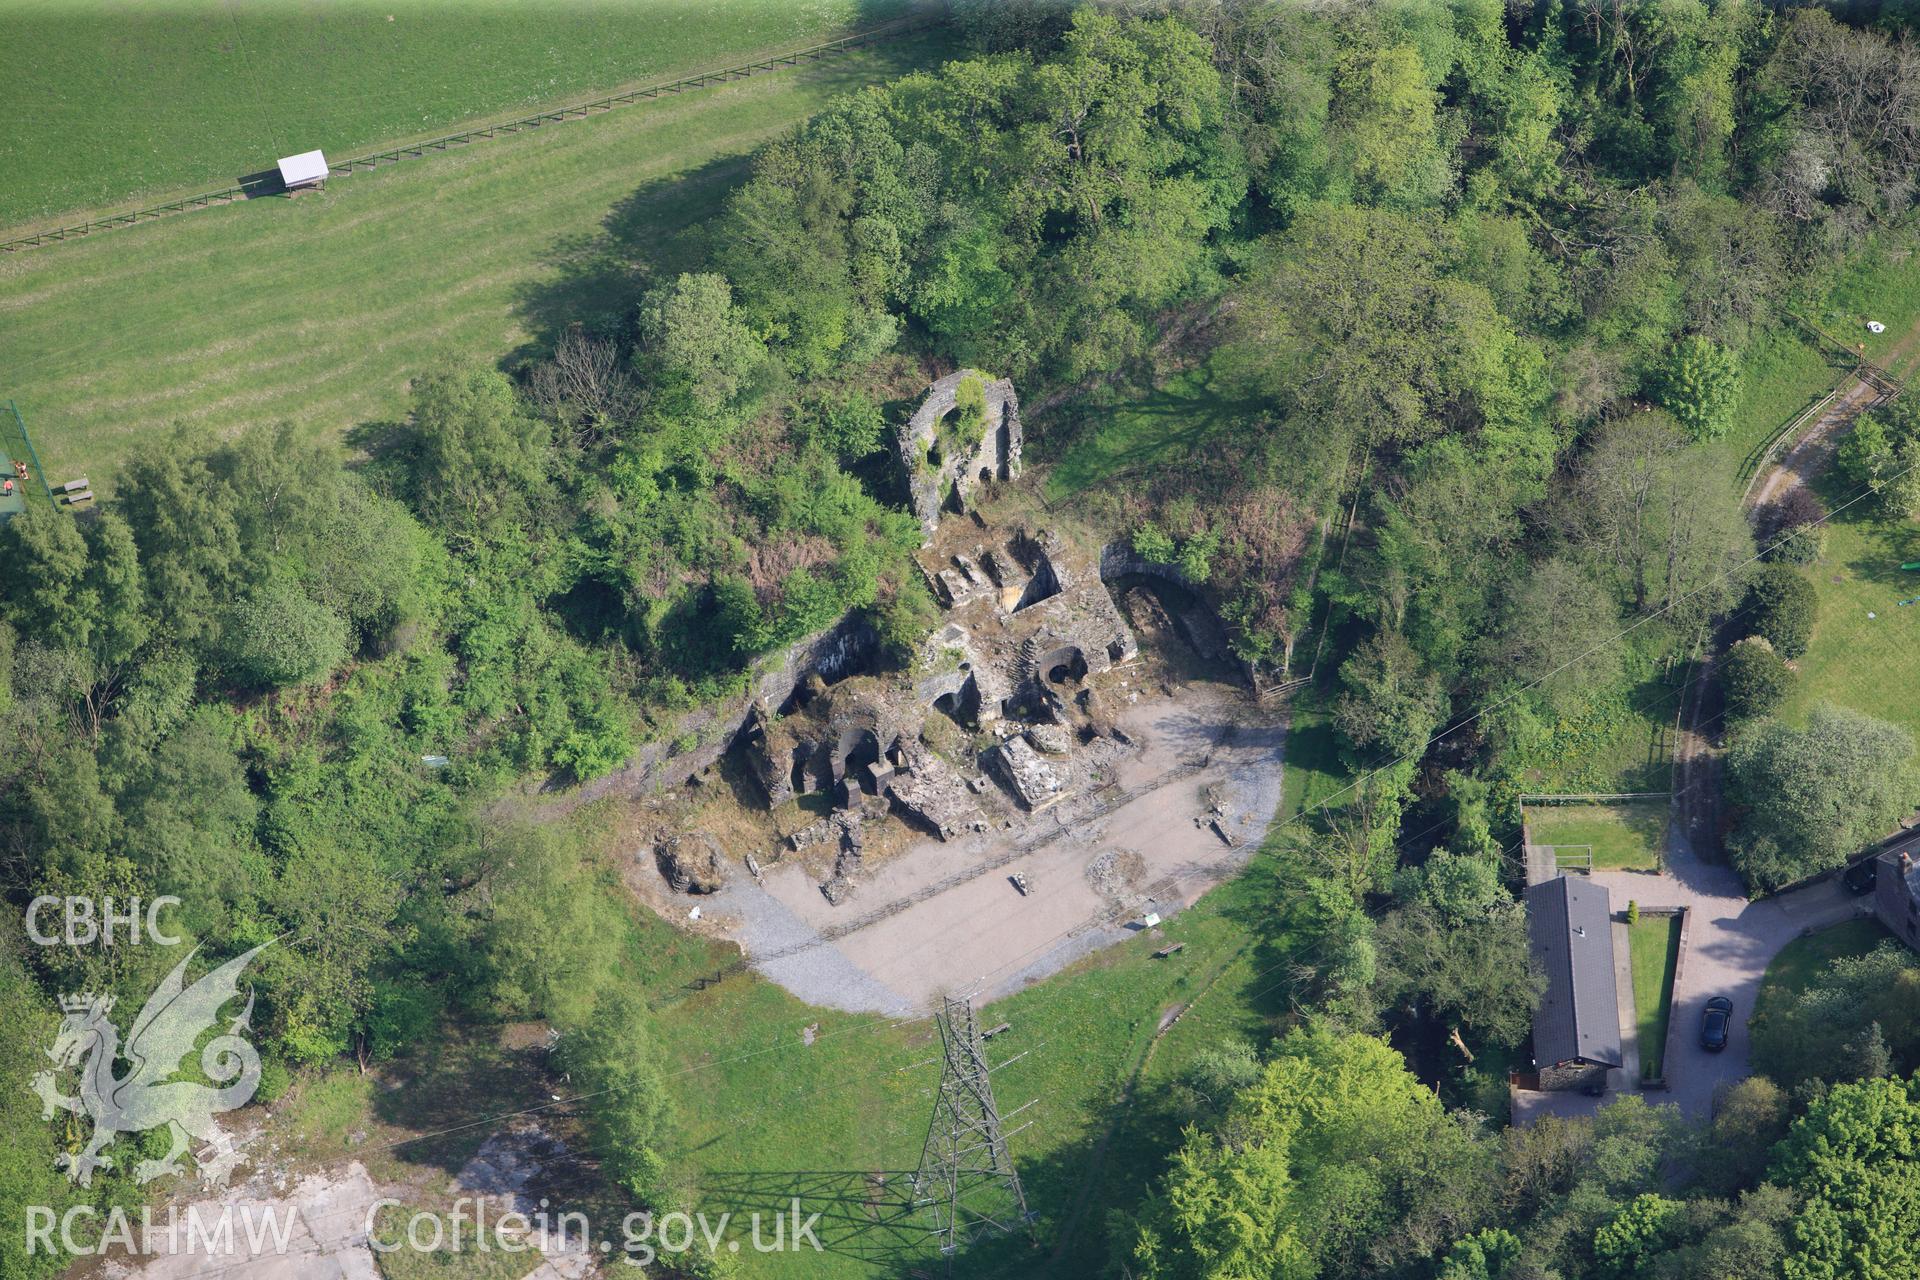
point(1440, 256)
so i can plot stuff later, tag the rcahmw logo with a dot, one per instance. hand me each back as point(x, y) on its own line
point(147, 1096)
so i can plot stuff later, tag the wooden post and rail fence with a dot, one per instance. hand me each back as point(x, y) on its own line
point(480, 133)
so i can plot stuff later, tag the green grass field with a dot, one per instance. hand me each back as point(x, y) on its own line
point(1869, 663)
point(110, 102)
point(772, 1098)
point(318, 310)
point(1617, 739)
point(1802, 960)
point(1654, 942)
point(1882, 284)
point(1625, 837)
point(857, 1100)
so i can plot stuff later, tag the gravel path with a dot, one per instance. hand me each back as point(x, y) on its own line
point(1810, 454)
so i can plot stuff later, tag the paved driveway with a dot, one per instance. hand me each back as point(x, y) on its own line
point(1729, 943)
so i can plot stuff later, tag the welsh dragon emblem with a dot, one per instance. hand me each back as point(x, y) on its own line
point(147, 1097)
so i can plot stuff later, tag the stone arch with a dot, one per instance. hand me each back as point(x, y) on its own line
point(1064, 665)
point(961, 704)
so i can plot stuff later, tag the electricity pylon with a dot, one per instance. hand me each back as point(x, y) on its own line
point(966, 1180)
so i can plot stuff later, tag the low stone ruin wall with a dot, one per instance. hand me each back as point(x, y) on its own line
point(849, 646)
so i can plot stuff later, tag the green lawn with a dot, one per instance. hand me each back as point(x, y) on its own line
point(1625, 837)
point(1654, 942)
point(1313, 770)
point(1804, 959)
point(1869, 663)
point(115, 100)
point(318, 310)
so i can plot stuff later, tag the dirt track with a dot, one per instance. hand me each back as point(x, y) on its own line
point(1810, 454)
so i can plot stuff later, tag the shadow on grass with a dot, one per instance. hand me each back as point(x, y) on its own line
point(455, 1095)
point(664, 226)
point(1165, 425)
point(1892, 543)
point(868, 1215)
point(656, 232)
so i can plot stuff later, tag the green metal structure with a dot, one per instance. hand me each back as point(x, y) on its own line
point(19, 447)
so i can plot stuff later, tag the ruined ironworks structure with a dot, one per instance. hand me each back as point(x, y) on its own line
point(1000, 715)
point(966, 1181)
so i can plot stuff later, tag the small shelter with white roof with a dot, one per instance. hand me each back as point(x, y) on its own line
point(308, 169)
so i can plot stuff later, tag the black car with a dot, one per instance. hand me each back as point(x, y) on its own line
point(1714, 1024)
point(1861, 875)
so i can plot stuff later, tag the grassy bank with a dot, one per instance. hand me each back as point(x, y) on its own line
point(111, 102)
point(317, 311)
point(1804, 959)
point(1654, 944)
point(1314, 774)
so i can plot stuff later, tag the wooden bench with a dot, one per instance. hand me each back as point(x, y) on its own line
point(991, 1032)
point(1171, 949)
point(75, 499)
point(74, 486)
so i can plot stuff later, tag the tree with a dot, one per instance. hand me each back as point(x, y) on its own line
point(1475, 973)
point(1782, 606)
point(115, 593)
point(1350, 323)
point(1840, 147)
point(183, 521)
point(1331, 1164)
point(1882, 453)
point(1813, 797)
point(1748, 1244)
point(1753, 679)
point(1487, 1254)
point(585, 387)
point(1391, 703)
point(1790, 529)
point(1855, 1157)
point(1654, 521)
point(1859, 1016)
point(277, 636)
point(477, 456)
point(1700, 386)
point(47, 562)
point(1748, 1119)
point(338, 908)
point(1556, 633)
point(191, 821)
point(696, 346)
point(626, 1108)
point(28, 1174)
point(1385, 121)
point(1628, 1241)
